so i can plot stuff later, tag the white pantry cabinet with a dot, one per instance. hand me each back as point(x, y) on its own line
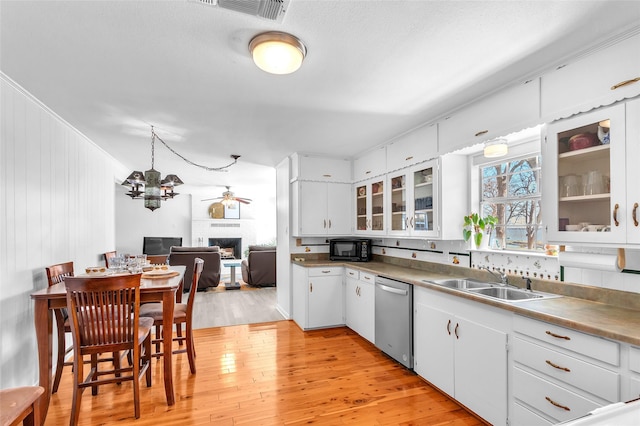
point(360, 303)
point(318, 296)
point(371, 164)
point(559, 374)
point(320, 209)
point(507, 111)
point(461, 348)
point(413, 147)
point(605, 193)
point(600, 79)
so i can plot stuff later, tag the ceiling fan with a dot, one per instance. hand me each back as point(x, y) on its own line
point(228, 197)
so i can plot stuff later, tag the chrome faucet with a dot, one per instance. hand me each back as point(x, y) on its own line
point(504, 279)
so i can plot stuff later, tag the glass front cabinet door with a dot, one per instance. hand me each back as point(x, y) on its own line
point(370, 196)
point(413, 200)
point(584, 175)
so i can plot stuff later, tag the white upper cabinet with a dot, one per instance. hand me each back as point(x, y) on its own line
point(600, 79)
point(371, 164)
point(413, 147)
point(585, 183)
point(320, 209)
point(320, 169)
point(507, 111)
point(633, 171)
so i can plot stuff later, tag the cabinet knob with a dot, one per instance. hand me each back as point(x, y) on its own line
point(557, 366)
point(409, 158)
point(481, 132)
point(455, 330)
point(324, 225)
point(634, 214)
point(329, 223)
point(310, 287)
point(449, 328)
point(557, 336)
point(615, 214)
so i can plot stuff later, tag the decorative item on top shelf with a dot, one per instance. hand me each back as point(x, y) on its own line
point(478, 226)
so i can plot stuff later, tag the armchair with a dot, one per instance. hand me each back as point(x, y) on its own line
point(186, 255)
point(259, 268)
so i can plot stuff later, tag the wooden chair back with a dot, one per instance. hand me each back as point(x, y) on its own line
point(198, 265)
point(108, 256)
point(104, 312)
point(157, 259)
point(59, 272)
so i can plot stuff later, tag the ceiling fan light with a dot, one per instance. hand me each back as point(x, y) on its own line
point(495, 149)
point(277, 52)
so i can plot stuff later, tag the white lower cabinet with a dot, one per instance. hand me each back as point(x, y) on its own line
point(559, 374)
point(634, 374)
point(318, 296)
point(461, 348)
point(360, 303)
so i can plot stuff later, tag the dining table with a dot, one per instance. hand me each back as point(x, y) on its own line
point(153, 288)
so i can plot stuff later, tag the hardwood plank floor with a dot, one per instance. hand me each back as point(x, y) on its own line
point(273, 374)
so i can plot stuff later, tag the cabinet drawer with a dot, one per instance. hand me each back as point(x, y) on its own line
point(352, 273)
point(584, 344)
point(543, 395)
point(588, 377)
point(523, 416)
point(367, 277)
point(322, 272)
point(634, 359)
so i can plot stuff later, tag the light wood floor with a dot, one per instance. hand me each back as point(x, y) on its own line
point(272, 374)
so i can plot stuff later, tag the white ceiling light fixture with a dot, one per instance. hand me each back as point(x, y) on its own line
point(277, 52)
point(496, 148)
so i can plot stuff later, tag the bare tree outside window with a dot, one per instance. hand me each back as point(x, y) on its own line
point(511, 192)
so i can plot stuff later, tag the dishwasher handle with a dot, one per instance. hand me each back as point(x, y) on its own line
point(392, 289)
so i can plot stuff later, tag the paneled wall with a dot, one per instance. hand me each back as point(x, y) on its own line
point(56, 205)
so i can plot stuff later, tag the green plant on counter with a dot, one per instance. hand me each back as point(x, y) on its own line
point(478, 226)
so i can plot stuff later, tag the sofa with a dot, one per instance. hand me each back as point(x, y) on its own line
point(259, 268)
point(211, 271)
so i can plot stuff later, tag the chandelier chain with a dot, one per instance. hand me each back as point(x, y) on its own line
point(153, 151)
point(211, 169)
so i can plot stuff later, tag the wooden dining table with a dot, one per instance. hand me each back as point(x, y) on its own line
point(156, 289)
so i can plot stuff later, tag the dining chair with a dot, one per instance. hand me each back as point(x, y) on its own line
point(57, 274)
point(182, 314)
point(108, 256)
point(157, 259)
point(20, 406)
point(105, 317)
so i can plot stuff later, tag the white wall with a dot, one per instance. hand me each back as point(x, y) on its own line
point(56, 205)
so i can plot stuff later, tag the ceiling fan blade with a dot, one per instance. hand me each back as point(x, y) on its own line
point(211, 199)
point(243, 200)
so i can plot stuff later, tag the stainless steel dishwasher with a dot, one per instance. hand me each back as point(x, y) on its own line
point(394, 319)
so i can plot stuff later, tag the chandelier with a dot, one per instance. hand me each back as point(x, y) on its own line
point(149, 186)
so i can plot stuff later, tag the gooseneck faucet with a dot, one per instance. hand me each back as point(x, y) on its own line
point(504, 279)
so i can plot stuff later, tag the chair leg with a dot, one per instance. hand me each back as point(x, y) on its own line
point(158, 337)
point(147, 356)
point(94, 373)
point(191, 353)
point(179, 333)
point(61, 350)
point(136, 381)
point(78, 378)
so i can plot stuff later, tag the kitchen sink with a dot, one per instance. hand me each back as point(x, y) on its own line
point(461, 283)
point(491, 290)
point(511, 294)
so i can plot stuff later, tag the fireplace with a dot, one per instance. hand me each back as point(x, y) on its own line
point(230, 248)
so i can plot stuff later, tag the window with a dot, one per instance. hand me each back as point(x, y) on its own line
point(510, 191)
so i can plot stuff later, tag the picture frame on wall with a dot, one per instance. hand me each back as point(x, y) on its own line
point(232, 210)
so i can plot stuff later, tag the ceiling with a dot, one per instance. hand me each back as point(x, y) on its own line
point(374, 69)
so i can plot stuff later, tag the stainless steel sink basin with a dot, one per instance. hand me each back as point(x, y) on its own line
point(461, 283)
point(511, 294)
point(490, 290)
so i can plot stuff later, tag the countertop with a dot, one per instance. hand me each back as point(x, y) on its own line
point(600, 319)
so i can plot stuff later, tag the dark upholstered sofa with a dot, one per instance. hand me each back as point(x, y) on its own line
point(259, 268)
point(211, 271)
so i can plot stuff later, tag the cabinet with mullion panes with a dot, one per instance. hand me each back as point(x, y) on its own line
point(370, 207)
point(511, 192)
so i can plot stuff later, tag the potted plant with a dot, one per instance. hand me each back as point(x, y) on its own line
point(478, 226)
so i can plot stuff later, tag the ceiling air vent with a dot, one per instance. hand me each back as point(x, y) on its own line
point(272, 10)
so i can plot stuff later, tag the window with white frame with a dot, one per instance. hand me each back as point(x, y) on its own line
point(510, 191)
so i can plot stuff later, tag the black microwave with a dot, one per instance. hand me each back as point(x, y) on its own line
point(350, 249)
